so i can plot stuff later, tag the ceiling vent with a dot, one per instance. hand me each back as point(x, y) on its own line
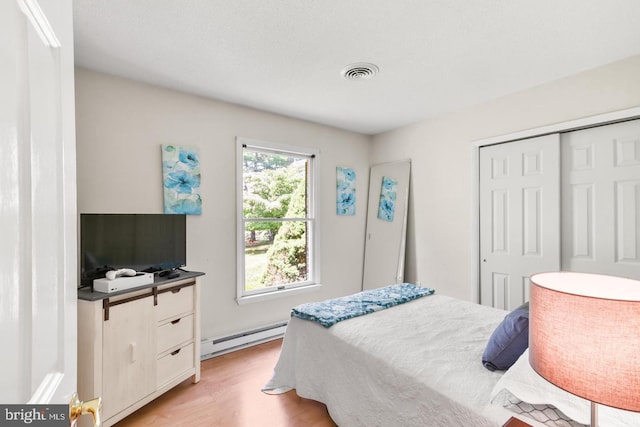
point(359, 71)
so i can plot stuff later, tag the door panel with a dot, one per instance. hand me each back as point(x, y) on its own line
point(44, 169)
point(601, 200)
point(531, 221)
point(627, 233)
point(519, 217)
point(12, 24)
point(129, 361)
point(37, 188)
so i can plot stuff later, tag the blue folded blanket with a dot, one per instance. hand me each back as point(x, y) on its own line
point(332, 311)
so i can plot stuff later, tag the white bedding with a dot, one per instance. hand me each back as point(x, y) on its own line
point(416, 364)
point(522, 382)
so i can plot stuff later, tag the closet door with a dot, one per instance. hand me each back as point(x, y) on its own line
point(519, 217)
point(601, 200)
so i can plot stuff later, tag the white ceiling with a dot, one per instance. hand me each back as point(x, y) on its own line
point(285, 56)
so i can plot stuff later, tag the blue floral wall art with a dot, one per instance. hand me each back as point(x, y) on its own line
point(387, 205)
point(345, 191)
point(181, 180)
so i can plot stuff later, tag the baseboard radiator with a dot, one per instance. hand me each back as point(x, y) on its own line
point(211, 347)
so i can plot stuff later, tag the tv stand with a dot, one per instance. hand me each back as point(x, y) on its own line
point(137, 344)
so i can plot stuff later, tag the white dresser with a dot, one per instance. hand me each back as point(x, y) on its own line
point(135, 345)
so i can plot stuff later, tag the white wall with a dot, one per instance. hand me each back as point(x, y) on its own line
point(121, 125)
point(440, 212)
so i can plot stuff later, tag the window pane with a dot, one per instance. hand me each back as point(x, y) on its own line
point(274, 185)
point(277, 222)
point(276, 253)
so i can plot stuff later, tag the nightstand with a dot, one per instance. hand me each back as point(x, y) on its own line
point(515, 422)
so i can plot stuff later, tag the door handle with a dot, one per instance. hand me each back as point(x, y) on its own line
point(78, 408)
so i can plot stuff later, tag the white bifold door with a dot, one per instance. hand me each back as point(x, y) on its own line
point(567, 201)
point(601, 200)
point(519, 217)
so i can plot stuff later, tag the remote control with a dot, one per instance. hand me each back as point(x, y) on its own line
point(111, 275)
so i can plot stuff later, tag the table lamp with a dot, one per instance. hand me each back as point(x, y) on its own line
point(584, 336)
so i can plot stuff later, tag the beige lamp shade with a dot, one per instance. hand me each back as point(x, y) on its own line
point(584, 335)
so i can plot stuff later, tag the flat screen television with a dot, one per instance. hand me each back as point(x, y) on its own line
point(143, 242)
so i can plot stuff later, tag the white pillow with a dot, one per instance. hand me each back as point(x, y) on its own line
point(524, 383)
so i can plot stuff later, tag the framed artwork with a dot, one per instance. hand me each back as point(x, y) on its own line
point(181, 180)
point(387, 206)
point(345, 191)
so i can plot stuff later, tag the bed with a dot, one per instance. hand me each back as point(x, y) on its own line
point(414, 364)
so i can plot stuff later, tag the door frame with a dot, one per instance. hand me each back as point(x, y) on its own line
point(583, 123)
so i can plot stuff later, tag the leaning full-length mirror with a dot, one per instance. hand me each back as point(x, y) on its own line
point(386, 224)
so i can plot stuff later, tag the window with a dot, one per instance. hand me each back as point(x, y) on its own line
point(276, 219)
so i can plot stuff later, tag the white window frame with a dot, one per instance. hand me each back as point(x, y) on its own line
point(313, 280)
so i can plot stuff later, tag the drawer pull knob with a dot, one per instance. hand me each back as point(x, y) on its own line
point(173, 353)
point(175, 291)
point(133, 352)
point(176, 321)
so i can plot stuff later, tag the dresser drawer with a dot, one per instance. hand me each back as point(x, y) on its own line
point(175, 302)
point(174, 333)
point(174, 364)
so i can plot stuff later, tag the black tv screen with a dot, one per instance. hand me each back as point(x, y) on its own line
point(143, 242)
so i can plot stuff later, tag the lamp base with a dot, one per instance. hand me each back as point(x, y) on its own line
point(594, 414)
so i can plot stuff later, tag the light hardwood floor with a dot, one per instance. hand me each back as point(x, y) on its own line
point(228, 395)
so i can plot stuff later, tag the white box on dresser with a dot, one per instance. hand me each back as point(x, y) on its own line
point(137, 344)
